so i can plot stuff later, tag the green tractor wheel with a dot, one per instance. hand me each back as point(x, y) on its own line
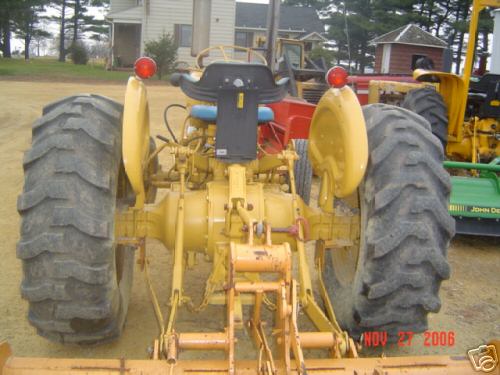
point(390, 282)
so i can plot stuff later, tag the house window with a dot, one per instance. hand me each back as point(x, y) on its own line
point(243, 39)
point(183, 35)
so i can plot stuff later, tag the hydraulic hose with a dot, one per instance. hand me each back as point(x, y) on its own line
point(165, 119)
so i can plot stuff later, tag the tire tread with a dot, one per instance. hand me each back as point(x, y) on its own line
point(303, 171)
point(407, 228)
point(67, 210)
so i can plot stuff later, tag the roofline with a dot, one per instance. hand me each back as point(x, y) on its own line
point(402, 32)
point(264, 29)
point(411, 44)
point(122, 14)
point(428, 33)
point(405, 29)
point(311, 33)
point(125, 20)
point(381, 36)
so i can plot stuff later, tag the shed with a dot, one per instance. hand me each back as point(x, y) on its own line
point(397, 51)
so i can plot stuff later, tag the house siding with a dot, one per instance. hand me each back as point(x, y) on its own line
point(159, 16)
point(164, 14)
point(379, 50)
point(401, 57)
point(222, 22)
point(119, 5)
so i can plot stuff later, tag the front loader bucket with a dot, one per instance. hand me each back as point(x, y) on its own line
point(475, 201)
point(10, 365)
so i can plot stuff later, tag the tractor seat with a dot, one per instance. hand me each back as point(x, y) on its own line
point(483, 84)
point(209, 113)
point(235, 93)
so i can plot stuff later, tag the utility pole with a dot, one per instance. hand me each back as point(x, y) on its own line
point(273, 20)
point(201, 26)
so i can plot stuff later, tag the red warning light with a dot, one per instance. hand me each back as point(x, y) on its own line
point(145, 67)
point(337, 77)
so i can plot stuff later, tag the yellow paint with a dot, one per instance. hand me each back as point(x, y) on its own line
point(212, 206)
point(241, 100)
point(468, 139)
point(283, 42)
point(338, 143)
point(228, 53)
point(451, 88)
point(135, 138)
point(377, 89)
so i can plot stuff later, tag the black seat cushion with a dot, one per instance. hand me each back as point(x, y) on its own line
point(216, 76)
point(238, 89)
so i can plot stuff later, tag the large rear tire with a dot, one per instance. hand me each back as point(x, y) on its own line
point(429, 104)
point(303, 171)
point(391, 281)
point(76, 279)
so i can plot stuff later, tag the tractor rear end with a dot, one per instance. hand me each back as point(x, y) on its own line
point(380, 227)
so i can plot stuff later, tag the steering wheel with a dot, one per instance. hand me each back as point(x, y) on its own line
point(223, 49)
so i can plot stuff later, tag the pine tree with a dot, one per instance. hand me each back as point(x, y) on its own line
point(26, 22)
point(62, 6)
point(7, 10)
point(353, 23)
point(318, 4)
point(81, 23)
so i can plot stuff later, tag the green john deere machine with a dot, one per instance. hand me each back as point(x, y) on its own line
point(475, 201)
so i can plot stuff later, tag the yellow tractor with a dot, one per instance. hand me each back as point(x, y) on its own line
point(477, 138)
point(464, 114)
point(379, 228)
point(307, 78)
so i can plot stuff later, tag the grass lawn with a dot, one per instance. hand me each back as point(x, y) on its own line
point(46, 68)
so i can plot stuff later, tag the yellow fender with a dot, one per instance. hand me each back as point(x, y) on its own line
point(452, 89)
point(135, 137)
point(338, 143)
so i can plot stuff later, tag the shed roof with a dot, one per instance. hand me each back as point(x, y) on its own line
point(304, 19)
point(410, 34)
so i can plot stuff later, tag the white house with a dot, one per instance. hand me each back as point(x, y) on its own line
point(135, 22)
